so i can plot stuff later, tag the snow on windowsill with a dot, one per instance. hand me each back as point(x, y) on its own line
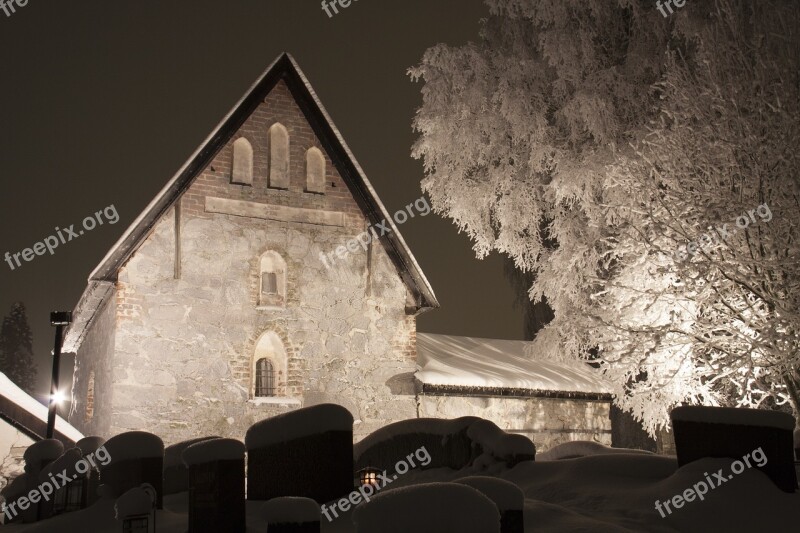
point(274, 400)
point(270, 308)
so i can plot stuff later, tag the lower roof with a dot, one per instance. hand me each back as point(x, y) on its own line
point(449, 364)
point(26, 414)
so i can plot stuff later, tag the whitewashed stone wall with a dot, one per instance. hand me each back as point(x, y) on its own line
point(13, 444)
point(546, 421)
point(183, 351)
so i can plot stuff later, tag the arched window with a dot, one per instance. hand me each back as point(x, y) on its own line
point(315, 170)
point(278, 157)
point(269, 367)
point(242, 162)
point(265, 378)
point(89, 413)
point(272, 285)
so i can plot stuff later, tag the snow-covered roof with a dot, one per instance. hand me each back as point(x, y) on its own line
point(470, 362)
point(23, 411)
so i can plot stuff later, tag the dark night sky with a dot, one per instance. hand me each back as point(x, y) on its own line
point(101, 102)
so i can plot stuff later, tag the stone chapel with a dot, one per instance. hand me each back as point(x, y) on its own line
point(214, 310)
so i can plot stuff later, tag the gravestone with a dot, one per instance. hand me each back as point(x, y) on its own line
point(137, 457)
point(56, 495)
point(37, 457)
point(306, 453)
point(176, 475)
point(12, 493)
point(89, 445)
point(216, 486)
point(136, 509)
point(733, 432)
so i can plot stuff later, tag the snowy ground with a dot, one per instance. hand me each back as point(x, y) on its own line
point(598, 493)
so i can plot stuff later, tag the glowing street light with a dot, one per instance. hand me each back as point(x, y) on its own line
point(59, 319)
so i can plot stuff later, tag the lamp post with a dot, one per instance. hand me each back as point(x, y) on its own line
point(59, 319)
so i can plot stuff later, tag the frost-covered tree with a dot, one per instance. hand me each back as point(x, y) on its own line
point(590, 140)
point(16, 349)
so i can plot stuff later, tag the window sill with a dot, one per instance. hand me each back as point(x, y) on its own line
point(271, 307)
point(274, 400)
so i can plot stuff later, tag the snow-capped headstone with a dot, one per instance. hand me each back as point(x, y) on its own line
point(54, 499)
point(216, 486)
point(291, 515)
point(41, 453)
point(137, 457)
point(37, 457)
point(735, 433)
point(307, 452)
point(136, 506)
point(11, 493)
point(507, 496)
point(176, 475)
point(90, 445)
point(428, 508)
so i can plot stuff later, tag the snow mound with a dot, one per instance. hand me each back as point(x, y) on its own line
point(173, 455)
point(451, 443)
point(734, 416)
point(499, 445)
point(290, 510)
point(303, 422)
point(211, 450)
point(493, 363)
point(582, 448)
point(89, 445)
point(134, 445)
point(136, 501)
point(429, 508)
point(42, 452)
point(431, 426)
point(505, 495)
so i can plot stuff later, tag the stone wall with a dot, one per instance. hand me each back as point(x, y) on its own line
point(94, 359)
point(184, 348)
point(13, 444)
point(547, 421)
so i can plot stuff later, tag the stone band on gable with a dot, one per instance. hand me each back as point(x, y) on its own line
point(273, 212)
